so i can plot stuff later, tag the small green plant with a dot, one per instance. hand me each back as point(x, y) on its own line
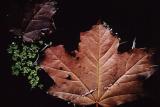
point(24, 57)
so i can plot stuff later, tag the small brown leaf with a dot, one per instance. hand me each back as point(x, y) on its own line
point(40, 24)
point(101, 75)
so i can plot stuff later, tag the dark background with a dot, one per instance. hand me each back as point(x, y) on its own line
point(129, 18)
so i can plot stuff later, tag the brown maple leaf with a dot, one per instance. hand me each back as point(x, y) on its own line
point(98, 74)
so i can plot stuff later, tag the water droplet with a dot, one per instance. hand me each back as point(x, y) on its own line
point(68, 77)
point(42, 33)
point(104, 23)
point(50, 32)
point(134, 43)
point(53, 24)
point(69, 102)
point(110, 29)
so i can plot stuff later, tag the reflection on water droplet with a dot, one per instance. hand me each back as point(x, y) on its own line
point(42, 33)
point(69, 102)
point(68, 77)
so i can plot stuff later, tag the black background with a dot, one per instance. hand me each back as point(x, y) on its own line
point(129, 18)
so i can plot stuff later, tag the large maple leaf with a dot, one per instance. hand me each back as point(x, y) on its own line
point(98, 74)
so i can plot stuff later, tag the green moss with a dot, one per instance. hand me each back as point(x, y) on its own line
point(23, 57)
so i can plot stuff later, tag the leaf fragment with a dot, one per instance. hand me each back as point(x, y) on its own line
point(40, 25)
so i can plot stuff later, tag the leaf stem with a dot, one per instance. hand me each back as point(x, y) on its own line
point(96, 104)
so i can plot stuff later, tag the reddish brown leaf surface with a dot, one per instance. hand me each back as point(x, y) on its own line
point(40, 24)
point(98, 74)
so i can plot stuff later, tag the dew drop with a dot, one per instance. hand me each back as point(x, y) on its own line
point(43, 33)
point(68, 77)
point(50, 32)
point(110, 29)
point(69, 102)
